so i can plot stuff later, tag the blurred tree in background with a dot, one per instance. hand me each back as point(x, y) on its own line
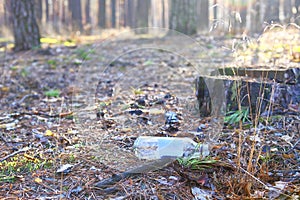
point(67, 17)
point(183, 16)
point(25, 28)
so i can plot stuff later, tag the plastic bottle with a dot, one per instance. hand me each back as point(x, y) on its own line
point(152, 148)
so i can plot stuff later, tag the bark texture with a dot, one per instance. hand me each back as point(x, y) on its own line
point(101, 13)
point(142, 16)
point(75, 7)
point(203, 15)
point(25, 27)
point(272, 94)
point(113, 13)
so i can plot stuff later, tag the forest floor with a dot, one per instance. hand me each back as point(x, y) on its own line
point(70, 113)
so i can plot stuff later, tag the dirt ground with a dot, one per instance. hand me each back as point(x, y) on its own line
point(69, 117)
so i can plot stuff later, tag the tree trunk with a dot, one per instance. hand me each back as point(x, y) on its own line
point(296, 15)
point(183, 16)
point(272, 11)
point(39, 10)
point(63, 13)
point(101, 13)
point(88, 22)
point(26, 30)
point(243, 16)
point(7, 14)
point(156, 13)
point(215, 10)
point(142, 16)
point(113, 13)
point(297, 6)
point(121, 13)
point(75, 6)
point(257, 11)
point(87, 12)
point(55, 9)
point(249, 17)
point(203, 15)
point(129, 13)
point(47, 10)
point(165, 14)
point(287, 10)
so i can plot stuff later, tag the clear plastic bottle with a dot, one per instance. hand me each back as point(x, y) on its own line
point(152, 148)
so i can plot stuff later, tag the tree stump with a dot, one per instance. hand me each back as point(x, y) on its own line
point(264, 91)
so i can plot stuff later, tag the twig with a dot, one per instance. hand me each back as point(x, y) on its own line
point(293, 147)
point(267, 187)
point(42, 114)
point(14, 153)
point(288, 171)
point(270, 188)
point(27, 96)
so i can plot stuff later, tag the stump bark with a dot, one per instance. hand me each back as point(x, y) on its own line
point(264, 91)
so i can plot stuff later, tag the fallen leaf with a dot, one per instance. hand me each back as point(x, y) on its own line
point(38, 180)
point(49, 133)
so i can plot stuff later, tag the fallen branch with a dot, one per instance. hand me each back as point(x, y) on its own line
point(14, 153)
point(26, 97)
point(152, 166)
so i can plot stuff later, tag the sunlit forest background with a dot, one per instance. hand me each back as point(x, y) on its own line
point(91, 17)
point(89, 88)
